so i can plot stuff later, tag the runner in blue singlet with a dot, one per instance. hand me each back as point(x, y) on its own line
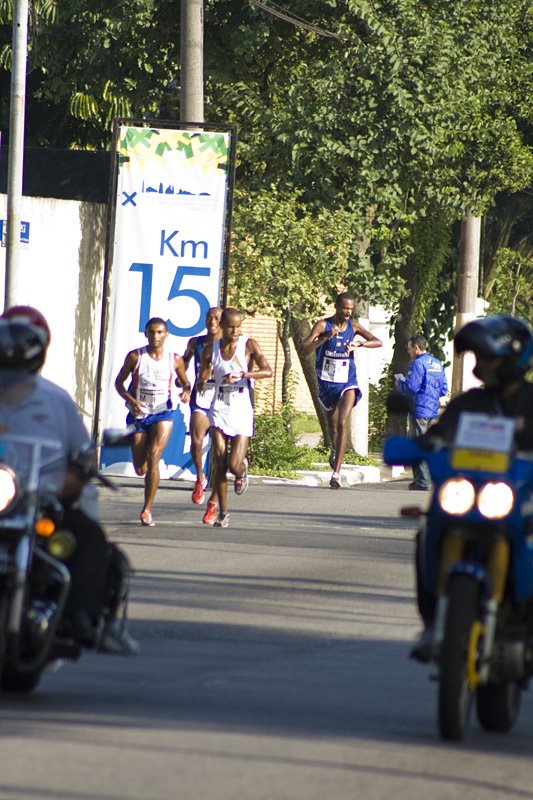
point(334, 340)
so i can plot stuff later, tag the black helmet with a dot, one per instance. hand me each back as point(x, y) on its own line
point(22, 346)
point(500, 336)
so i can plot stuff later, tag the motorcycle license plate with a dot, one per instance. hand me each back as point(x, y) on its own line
point(483, 460)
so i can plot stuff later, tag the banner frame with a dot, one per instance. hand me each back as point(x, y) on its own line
point(110, 229)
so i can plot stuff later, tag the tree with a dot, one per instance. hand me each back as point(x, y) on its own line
point(420, 111)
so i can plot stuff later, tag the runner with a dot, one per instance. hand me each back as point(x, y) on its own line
point(201, 401)
point(334, 340)
point(230, 362)
point(152, 369)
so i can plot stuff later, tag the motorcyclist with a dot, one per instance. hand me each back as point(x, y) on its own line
point(34, 406)
point(503, 348)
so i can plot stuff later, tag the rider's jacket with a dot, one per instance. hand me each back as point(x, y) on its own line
point(518, 405)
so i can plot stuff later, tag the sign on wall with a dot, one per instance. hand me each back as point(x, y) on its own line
point(167, 257)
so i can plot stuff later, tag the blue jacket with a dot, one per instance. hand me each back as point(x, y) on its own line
point(425, 382)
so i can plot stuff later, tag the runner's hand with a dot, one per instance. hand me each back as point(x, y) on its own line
point(233, 377)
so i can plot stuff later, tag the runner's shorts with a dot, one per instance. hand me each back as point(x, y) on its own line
point(330, 393)
point(143, 424)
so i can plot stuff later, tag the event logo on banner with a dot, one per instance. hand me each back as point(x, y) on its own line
point(167, 258)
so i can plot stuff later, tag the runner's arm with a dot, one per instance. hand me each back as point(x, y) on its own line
point(369, 339)
point(189, 352)
point(182, 379)
point(317, 337)
point(126, 370)
point(255, 356)
point(205, 367)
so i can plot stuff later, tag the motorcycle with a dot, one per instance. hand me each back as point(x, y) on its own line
point(34, 578)
point(475, 559)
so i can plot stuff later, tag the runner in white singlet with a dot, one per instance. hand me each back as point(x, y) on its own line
point(151, 372)
point(231, 361)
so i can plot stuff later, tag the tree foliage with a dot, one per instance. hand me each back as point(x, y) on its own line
point(356, 154)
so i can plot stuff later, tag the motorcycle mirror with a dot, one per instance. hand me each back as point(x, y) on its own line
point(117, 437)
point(399, 403)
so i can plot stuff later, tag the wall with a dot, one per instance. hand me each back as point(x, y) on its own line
point(64, 234)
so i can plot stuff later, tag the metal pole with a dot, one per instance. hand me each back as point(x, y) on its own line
point(192, 61)
point(467, 289)
point(16, 146)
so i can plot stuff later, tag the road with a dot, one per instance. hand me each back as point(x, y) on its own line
point(274, 666)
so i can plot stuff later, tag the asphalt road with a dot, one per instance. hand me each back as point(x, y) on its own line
point(274, 667)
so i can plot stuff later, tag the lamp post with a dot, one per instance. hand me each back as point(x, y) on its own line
point(16, 146)
point(192, 61)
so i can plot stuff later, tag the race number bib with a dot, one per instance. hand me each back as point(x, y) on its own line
point(335, 370)
point(229, 393)
point(152, 402)
point(204, 399)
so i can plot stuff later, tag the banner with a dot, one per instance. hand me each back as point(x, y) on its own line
point(167, 257)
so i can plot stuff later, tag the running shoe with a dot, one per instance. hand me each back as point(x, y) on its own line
point(198, 495)
point(222, 520)
point(335, 481)
point(210, 516)
point(241, 484)
point(146, 519)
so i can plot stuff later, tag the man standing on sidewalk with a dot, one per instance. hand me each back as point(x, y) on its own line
point(425, 383)
point(151, 371)
point(233, 361)
point(201, 401)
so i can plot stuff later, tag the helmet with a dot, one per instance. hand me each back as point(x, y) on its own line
point(29, 316)
point(500, 336)
point(22, 346)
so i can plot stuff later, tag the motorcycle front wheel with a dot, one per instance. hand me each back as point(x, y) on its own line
point(498, 706)
point(12, 680)
point(456, 690)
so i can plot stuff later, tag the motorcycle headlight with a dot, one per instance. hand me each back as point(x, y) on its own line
point(457, 496)
point(495, 500)
point(8, 489)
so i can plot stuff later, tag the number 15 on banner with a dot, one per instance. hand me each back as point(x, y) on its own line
point(196, 297)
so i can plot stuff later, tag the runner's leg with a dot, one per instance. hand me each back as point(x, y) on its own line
point(239, 448)
point(199, 428)
point(139, 452)
point(158, 437)
point(219, 445)
point(342, 413)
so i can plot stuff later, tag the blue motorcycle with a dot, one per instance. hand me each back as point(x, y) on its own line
point(475, 562)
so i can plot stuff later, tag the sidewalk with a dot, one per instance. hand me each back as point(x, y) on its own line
point(351, 474)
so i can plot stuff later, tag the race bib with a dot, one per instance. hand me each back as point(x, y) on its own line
point(228, 394)
point(205, 398)
point(152, 402)
point(335, 370)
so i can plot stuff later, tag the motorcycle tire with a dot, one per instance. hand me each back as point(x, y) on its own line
point(498, 705)
point(14, 681)
point(455, 694)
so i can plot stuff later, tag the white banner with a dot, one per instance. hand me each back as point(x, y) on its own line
point(167, 257)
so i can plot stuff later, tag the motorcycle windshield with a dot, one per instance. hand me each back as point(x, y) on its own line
point(30, 448)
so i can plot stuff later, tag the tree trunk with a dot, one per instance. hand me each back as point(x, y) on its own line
point(284, 337)
point(404, 328)
point(300, 329)
point(284, 329)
